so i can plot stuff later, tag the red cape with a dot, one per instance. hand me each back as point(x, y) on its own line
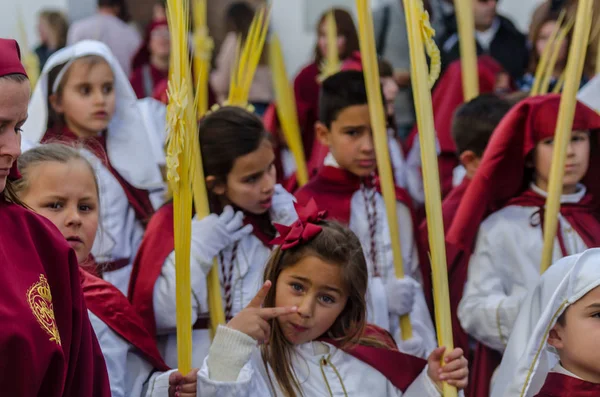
point(113, 308)
point(399, 368)
point(502, 174)
point(47, 344)
point(138, 199)
point(138, 83)
point(306, 90)
point(558, 385)
point(332, 188)
point(157, 244)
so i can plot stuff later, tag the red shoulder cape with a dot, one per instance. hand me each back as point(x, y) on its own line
point(558, 385)
point(332, 188)
point(306, 90)
point(157, 244)
point(113, 308)
point(41, 355)
point(399, 368)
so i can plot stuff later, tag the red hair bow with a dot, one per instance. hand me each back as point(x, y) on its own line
point(303, 230)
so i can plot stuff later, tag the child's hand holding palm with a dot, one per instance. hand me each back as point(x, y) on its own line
point(455, 370)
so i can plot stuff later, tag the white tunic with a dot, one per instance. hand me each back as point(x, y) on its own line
point(377, 303)
point(251, 258)
point(321, 369)
point(505, 266)
point(129, 373)
point(119, 231)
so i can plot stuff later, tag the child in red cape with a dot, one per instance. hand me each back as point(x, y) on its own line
point(48, 346)
point(238, 160)
point(348, 188)
point(512, 181)
point(305, 331)
point(306, 83)
point(59, 183)
point(150, 65)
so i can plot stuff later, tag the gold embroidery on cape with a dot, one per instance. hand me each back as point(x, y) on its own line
point(39, 298)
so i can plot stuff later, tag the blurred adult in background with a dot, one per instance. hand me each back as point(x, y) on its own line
point(150, 64)
point(392, 44)
point(238, 19)
point(109, 25)
point(52, 29)
point(496, 36)
point(306, 84)
point(543, 23)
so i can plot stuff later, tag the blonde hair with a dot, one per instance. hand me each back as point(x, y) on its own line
point(50, 152)
point(337, 245)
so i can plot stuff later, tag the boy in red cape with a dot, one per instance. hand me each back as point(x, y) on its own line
point(347, 187)
point(512, 181)
point(47, 345)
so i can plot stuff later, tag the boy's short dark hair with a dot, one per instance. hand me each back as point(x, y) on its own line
point(340, 91)
point(475, 121)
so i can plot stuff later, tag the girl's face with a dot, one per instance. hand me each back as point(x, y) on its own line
point(87, 100)
point(543, 39)
point(251, 182)
point(317, 289)
point(577, 340)
point(322, 41)
point(577, 163)
point(160, 42)
point(14, 97)
point(67, 195)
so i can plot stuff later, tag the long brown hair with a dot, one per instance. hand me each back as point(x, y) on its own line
point(345, 27)
point(337, 245)
point(541, 16)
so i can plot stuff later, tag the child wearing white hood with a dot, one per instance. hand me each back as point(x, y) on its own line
point(553, 349)
point(83, 97)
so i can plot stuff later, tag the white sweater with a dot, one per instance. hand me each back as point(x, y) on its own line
point(321, 369)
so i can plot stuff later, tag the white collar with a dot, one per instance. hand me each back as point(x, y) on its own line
point(331, 161)
point(565, 198)
point(559, 369)
point(486, 37)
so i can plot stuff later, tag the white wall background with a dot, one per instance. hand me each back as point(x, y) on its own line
point(293, 20)
point(28, 11)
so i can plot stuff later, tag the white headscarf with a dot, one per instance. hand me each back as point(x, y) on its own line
point(528, 358)
point(127, 142)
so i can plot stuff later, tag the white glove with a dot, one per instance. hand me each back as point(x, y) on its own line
point(401, 295)
point(216, 232)
point(282, 206)
point(413, 346)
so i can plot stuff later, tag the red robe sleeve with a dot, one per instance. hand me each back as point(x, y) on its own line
point(113, 308)
point(306, 90)
point(158, 243)
point(47, 344)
